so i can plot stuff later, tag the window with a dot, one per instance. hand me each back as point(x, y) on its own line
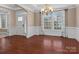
point(53, 21)
point(47, 23)
point(3, 21)
point(57, 23)
point(20, 18)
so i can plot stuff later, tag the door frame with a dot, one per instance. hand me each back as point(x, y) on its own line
point(25, 22)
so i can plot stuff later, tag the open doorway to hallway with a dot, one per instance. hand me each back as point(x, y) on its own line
point(21, 22)
point(13, 20)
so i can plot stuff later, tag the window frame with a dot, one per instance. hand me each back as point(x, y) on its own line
point(5, 21)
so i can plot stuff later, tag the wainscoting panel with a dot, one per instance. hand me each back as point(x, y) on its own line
point(33, 30)
point(30, 31)
point(77, 34)
point(71, 32)
point(53, 32)
point(37, 30)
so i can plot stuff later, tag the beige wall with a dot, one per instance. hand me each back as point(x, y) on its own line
point(70, 17)
point(66, 17)
point(30, 18)
point(77, 16)
point(37, 19)
point(34, 19)
point(13, 18)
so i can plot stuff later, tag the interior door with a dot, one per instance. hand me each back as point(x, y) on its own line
point(20, 25)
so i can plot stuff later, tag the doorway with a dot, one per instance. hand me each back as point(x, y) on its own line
point(20, 23)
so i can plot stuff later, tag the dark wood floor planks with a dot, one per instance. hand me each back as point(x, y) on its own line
point(38, 44)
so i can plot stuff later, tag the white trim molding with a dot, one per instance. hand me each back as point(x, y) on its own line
point(77, 34)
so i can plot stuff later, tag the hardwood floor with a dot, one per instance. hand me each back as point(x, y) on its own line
point(38, 45)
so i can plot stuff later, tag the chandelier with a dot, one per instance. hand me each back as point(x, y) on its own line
point(47, 10)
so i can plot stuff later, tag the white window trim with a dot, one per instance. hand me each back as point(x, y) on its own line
point(0, 22)
point(5, 24)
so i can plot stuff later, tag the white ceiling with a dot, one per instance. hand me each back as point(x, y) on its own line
point(56, 6)
point(37, 7)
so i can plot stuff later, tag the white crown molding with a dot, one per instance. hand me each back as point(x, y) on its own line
point(67, 7)
point(6, 7)
point(22, 6)
point(72, 6)
point(62, 8)
point(26, 7)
